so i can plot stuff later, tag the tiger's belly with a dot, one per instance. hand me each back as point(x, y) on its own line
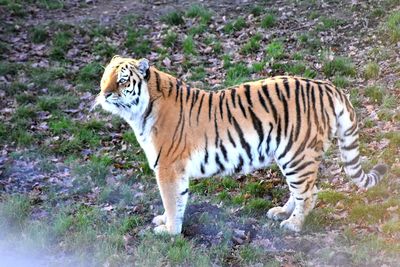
point(216, 162)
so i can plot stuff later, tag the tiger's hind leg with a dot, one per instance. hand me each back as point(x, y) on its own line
point(304, 192)
point(174, 190)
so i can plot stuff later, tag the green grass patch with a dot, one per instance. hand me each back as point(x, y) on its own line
point(252, 46)
point(237, 74)
point(39, 35)
point(310, 42)
point(341, 81)
point(256, 205)
point(375, 93)
point(371, 70)
point(50, 4)
point(198, 74)
point(189, 46)
point(14, 211)
point(393, 26)
point(268, 21)
point(199, 11)
point(256, 10)
point(137, 42)
point(155, 250)
point(331, 197)
point(275, 50)
point(173, 18)
point(339, 66)
point(170, 39)
point(105, 50)
point(89, 76)
point(328, 23)
point(355, 98)
point(61, 43)
point(237, 25)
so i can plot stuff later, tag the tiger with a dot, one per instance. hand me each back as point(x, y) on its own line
point(189, 133)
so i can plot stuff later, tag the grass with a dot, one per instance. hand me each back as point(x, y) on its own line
point(199, 11)
point(173, 18)
point(256, 205)
point(375, 93)
point(339, 66)
point(268, 21)
point(275, 50)
point(237, 74)
point(14, 211)
point(89, 76)
point(371, 70)
point(341, 81)
point(61, 43)
point(170, 39)
point(328, 23)
point(39, 35)
point(256, 10)
point(189, 46)
point(198, 74)
point(236, 25)
point(393, 26)
point(252, 46)
point(331, 197)
point(137, 42)
point(105, 50)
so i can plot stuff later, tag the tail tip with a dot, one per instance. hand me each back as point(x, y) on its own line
point(382, 169)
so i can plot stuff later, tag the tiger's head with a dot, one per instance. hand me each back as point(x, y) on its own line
point(124, 89)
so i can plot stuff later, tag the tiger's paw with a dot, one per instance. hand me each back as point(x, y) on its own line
point(159, 220)
point(292, 224)
point(278, 214)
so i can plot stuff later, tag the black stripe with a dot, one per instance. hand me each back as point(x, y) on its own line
point(223, 150)
point(278, 133)
point(298, 115)
point(257, 124)
point(193, 101)
point(216, 129)
point(228, 111)
point(288, 146)
point(271, 104)
point(321, 103)
point(241, 106)
point(221, 167)
point(231, 139)
point(206, 149)
point(262, 101)
point(286, 85)
point(243, 142)
point(171, 86)
point(139, 87)
point(210, 97)
point(239, 167)
point(221, 99)
point(200, 105)
point(233, 96)
point(147, 113)
point(353, 161)
point(177, 87)
point(158, 83)
point(187, 93)
point(353, 145)
point(158, 157)
point(247, 93)
point(300, 168)
point(303, 98)
point(185, 192)
point(269, 138)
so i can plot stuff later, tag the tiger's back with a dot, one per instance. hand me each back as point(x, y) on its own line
point(187, 132)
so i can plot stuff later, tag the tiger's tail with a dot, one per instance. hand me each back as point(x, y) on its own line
point(347, 130)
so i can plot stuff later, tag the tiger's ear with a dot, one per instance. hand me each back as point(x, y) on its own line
point(144, 68)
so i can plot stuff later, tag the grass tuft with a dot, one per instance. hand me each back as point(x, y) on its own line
point(339, 66)
point(393, 26)
point(173, 18)
point(275, 50)
point(375, 93)
point(268, 21)
point(371, 71)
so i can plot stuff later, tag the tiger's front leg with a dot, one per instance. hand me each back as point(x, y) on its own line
point(174, 190)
